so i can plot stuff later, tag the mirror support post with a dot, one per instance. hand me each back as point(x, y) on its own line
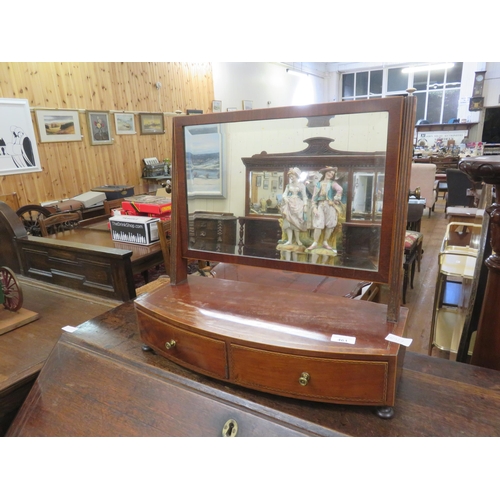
point(402, 187)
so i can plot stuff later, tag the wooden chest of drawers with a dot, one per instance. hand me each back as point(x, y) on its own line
point(256, 336)
point(214, 233)
point(259, 236)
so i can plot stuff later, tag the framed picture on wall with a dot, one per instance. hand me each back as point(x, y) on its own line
point(18, 148)
point(151, 123)
point(204, 166)
point(216, 106)
point(58, 125)
point(99, 128)
point(125, 123)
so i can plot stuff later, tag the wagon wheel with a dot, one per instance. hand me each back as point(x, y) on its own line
point(13, 295)
point(30, 216)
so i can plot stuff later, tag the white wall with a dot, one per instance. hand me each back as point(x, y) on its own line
point(267, 84)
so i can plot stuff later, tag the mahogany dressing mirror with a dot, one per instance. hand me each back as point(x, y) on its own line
point(310, 189)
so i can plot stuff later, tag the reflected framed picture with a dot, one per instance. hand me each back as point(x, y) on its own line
point(58, 125)
point(204, 166)
point(99, 128)
point(125, 123)
point(151, 123)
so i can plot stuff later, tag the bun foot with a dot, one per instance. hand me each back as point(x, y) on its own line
point(385, 412)
point(146, 348)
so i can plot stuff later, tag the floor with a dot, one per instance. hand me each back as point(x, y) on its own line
point(420, 299)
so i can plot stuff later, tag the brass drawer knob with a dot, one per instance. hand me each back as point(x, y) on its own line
point(230, 429)
point(304, 378)
point(171, 344)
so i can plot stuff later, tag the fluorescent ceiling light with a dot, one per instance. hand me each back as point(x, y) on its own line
point(296, 72)
point(428, 68)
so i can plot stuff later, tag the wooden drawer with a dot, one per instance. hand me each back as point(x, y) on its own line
point(336, 380)
point(191, 350)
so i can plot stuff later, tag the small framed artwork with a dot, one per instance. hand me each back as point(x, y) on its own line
point(151, 123)
point(265, 185)
point(476, 103)
point(58, 125)
point(258, 181)
point(194, 111)
point(124, 123)
point(216, 106)
point(247, 104)
point(18, 148)
point(100, 131)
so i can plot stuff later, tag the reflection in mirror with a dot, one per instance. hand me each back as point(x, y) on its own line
point(284, 192)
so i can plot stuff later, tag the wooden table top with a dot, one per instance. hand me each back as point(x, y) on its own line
point(435, 397)
point(98, 233)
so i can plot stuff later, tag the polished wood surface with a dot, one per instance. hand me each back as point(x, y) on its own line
point(143, 256)
point(23, 351)
point(84, 258)
point(305, 283)
point(264, 337)
point(99, 382)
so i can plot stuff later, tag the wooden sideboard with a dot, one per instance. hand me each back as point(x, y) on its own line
point(99, 382)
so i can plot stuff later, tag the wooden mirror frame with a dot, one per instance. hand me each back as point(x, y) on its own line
point(400, 109)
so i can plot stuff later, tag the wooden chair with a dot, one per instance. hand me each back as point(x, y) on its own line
point(59, 223)
point(413, 245)
point(109, 205)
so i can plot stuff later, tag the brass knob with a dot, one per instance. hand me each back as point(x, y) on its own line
point(230, 428)
point(171, 344)
point(304, 378)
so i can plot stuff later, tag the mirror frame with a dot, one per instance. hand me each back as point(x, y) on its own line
point(393, 223)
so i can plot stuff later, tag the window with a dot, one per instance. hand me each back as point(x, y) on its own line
point(362, 85)
point(437, 91)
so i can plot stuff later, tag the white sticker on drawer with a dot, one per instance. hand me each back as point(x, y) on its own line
point(399, 340)
point(344, 339)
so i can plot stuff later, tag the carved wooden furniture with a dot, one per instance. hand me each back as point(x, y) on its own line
point(84, 259)
point(258, 236)
point(109, 205)
point(59, 223)
point(99, 382)
point(487, 345)
point(279, 340)
point(214, 232)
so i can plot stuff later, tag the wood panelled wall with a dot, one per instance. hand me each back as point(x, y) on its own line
point(71, 168)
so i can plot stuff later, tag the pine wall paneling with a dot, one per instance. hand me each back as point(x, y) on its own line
point(71, 168)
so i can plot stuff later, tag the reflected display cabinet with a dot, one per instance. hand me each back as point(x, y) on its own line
point(319, 189)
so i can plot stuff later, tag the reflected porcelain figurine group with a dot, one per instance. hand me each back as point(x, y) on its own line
point(311, 223)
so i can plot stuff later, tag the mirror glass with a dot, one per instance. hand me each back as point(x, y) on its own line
point(301, 189)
